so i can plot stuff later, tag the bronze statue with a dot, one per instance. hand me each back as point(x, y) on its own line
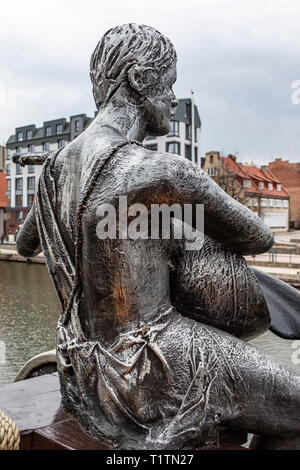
point(147, 341)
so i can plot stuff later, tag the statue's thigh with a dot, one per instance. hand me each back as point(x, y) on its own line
point(223, 380)
point(216, 286)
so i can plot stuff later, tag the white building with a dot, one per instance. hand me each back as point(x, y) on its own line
point(182, 133)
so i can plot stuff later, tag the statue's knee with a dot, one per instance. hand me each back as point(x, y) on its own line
point(217, 287)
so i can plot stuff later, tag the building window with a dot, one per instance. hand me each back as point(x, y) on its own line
point(173, 147)
point(261, 185)
point(77, 127)
point(187, 110)
point(31, 182)
point(212, 171)
point(30, 199)
point(8, 185)
point(152, 147)
point(196, 154)
point(195, 131)
point(59, 129)
point(30, 148)
point(249, 202)
point(45, 146)
point(48, 131)
point(278, 203)
point(30, 168)
point(211, 159)
point(61, 143)
point(174, 129)
point(270, 186)
point(19, 169)
point(264, 202)
point(255, 202)
point(29, 134)
point(188, 152)
point(19, 184)
point(18, 150)
point(285, 203)
point(8, 169)
point(19, 136)
point(247, 183)
point(278, 187)
point(19, 200)
point(271, 202)
point(188, 132)
point(19, 215)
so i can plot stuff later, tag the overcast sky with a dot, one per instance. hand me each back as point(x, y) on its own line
point(239, 57)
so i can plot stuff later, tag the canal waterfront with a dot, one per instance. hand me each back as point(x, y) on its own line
point(29, 312)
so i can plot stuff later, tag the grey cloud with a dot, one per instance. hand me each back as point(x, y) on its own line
point(240, 62)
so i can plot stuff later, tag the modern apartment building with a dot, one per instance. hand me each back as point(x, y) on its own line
point(184, 136)
point(257, 188)
point(21, 181)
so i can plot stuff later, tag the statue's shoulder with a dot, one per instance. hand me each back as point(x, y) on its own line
point(158, 160)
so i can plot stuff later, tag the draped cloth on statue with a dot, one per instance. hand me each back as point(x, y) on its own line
point(157, 385)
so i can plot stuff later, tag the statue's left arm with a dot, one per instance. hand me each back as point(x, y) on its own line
point(28, 241)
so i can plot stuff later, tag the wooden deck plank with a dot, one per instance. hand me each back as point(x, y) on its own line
point(34, 412)
point(32, 403)
point(17, 391)
point(67, 435)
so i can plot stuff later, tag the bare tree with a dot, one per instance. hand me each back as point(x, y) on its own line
point(229, 182)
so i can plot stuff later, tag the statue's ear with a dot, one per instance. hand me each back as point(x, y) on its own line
point(141, 79)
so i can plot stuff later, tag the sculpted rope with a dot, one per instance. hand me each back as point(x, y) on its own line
point(9, 434)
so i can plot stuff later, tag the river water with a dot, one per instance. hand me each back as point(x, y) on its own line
point(29, 312)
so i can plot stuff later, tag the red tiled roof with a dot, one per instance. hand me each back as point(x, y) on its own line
point(231, 165)
point(256, 175)
point(271, 175)
point(3, 185)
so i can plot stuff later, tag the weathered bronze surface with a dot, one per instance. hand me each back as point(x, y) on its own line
point(147, 345)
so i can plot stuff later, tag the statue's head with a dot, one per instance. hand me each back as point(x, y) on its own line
point(139, 63)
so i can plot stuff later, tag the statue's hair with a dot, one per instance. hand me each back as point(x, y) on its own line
point(120, 49)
